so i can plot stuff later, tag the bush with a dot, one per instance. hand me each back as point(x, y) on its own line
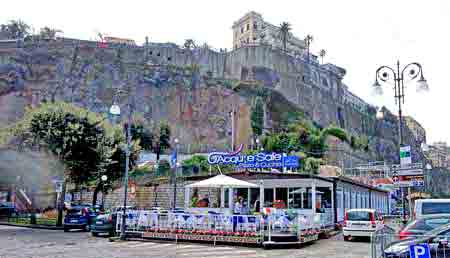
point(337, 132)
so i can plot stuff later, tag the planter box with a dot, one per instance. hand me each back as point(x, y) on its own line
point(208, 238)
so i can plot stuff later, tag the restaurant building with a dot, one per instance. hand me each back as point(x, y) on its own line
point(314, 196)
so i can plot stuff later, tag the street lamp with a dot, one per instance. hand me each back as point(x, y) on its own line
point(103, 178)
point(410, 71)
point(176, 164)
point(115, 111)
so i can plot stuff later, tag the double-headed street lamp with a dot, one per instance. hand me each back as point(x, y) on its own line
point(410, 71)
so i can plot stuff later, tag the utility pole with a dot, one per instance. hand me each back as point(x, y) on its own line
point(233, 136)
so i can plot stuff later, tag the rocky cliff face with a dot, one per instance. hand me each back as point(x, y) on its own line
point(194, 90)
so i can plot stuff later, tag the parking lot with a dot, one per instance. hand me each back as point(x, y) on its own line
point(20, 242)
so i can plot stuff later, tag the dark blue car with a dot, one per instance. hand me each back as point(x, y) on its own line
point(79, 217)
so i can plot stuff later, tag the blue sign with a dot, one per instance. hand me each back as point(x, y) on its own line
point(419, 251)
point(259, 160)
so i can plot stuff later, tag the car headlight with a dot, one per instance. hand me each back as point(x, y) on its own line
point(396, 249)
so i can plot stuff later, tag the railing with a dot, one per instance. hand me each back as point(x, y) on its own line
point(218, 227)
point(386, 244)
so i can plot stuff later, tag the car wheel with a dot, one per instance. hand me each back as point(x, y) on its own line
point(347, 238)
point(95, 234)
point(87, 228)
point(66, 230)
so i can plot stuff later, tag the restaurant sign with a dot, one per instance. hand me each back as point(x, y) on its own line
point(258, 160)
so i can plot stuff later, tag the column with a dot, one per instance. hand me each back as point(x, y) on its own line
point(313, 197)
point(222, 197)
point(187, 197)
point(333, 209)
point(261, 195)
point(230, 199)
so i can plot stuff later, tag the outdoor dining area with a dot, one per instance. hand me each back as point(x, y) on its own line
point(234, 220)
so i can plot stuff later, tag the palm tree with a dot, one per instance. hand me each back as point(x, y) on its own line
point(15, 29)
point(322, 54)
point(285, 29)
point(308, 40)
point(189, 44)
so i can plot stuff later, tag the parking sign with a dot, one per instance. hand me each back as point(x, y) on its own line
point(419, 251)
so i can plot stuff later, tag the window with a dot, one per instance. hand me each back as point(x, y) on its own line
point(248, 26)
point(255, 26)
point(242, 29)
point(268, 197)
point(435, 208)
point(325, 82)
point(281, 195)
point(254, 38)
point(358, 216)
point(295, 198)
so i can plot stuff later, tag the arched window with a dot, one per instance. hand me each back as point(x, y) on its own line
point(324, 82)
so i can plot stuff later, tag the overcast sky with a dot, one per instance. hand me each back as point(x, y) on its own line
point(358, 35)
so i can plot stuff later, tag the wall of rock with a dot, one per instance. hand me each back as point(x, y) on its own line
point(191, 88)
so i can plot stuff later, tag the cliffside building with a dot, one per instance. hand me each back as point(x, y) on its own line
point(251, 29)
point(438, 153)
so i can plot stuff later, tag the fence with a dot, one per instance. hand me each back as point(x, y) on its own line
point(218, 227)
point(26, 220)
point(389, 245)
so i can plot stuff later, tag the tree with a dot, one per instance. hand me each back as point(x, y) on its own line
point(48, 33)
point(161, 139)
point(284, 34)
point(257, 117)
point(322, 54)
point(15, 29)
point(189, 44)
point(308, 40)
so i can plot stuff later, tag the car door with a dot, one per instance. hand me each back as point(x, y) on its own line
point(439, 246)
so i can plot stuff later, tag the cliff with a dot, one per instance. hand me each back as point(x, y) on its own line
point(193, 89)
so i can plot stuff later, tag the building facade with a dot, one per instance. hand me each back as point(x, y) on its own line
point(251, 29)
point(438, 154)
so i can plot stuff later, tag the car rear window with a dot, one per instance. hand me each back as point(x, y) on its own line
point(74, 212)
point(358, 216)
point(427, 224)
point(435, 208)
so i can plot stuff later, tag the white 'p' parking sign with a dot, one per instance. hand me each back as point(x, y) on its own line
point(419, 251)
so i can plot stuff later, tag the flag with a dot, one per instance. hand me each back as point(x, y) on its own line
point(173, 159)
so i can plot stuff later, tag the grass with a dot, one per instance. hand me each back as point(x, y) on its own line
point(27, 221)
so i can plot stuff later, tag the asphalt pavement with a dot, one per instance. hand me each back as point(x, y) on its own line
point(16, 242)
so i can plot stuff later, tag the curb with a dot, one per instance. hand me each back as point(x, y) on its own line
point(31, 226)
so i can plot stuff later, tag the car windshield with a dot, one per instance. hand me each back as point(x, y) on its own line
point(427, 224)
point(435, 208)
point(74, 212)
point(358, 216)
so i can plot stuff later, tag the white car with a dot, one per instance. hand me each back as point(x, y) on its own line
point(427, 207)
point(361, 223)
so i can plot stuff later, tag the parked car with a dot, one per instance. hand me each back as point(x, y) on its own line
point(423, 225)
point(79, 217)
point(7, 209)
point(361, 223)
point(437, 240)
point(104, 224)
point(426, 207)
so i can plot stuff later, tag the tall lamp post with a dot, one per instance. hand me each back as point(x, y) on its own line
point(104, 178)
point(115, 110)
point(410, 71)
point(176, 165)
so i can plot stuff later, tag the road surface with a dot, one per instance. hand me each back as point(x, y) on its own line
point(16, 242)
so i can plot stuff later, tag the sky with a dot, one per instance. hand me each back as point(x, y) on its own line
point(358, 35)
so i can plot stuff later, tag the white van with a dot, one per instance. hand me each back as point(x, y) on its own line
point(426, 207)
point(361, 223)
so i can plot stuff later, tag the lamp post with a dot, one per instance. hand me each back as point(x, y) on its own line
point(115, 110)
point(176, 164)
point(413, 70)
point(103, 178)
